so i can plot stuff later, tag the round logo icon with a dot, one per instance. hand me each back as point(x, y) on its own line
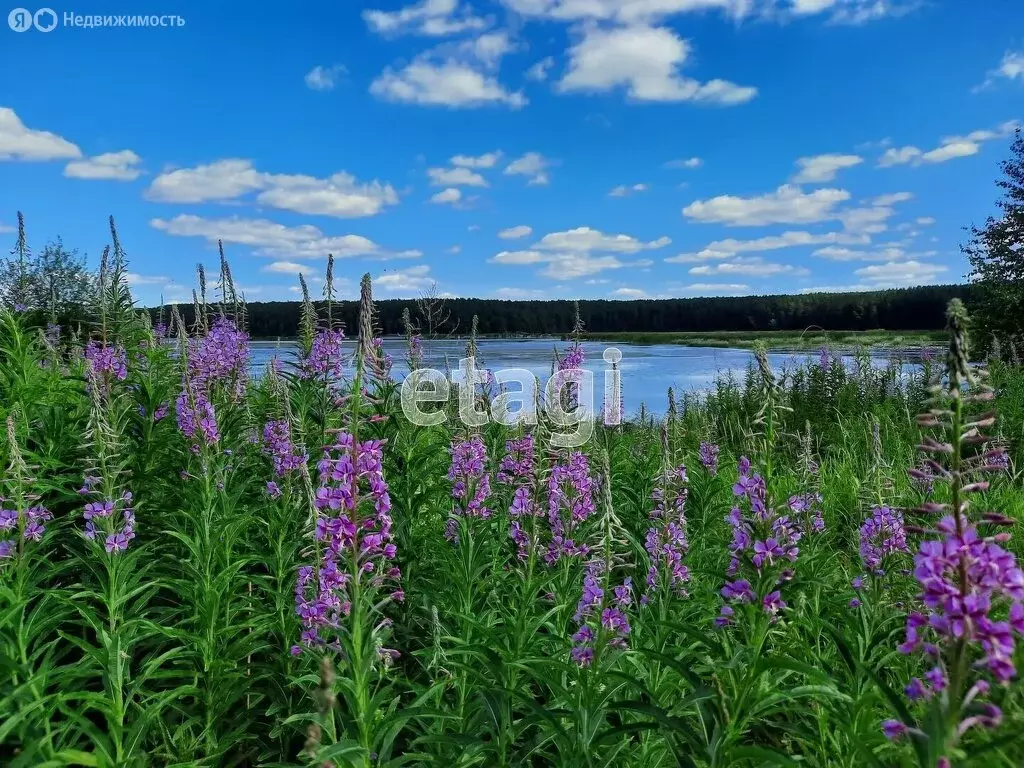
point(20, 19)
point(45, 19)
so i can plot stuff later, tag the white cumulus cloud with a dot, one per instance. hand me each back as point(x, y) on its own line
point(645, 61)
point(432, 18)
point(820, 168)
point(786, 205)
point(115, 166)
point(514, 233)
point(451, 195)
point(19, 142)
point(321, 78)
point(533, 165)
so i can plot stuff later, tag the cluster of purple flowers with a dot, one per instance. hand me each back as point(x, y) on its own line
point(570, 503)
point(883, 534)
point(105, 363)
point(29, 526)
point(354, 531)
point(611, 627)
point(964, 577)
point(220, 357)
point(923, 476)
point(709, 457)
point(763, 540)
point(471, 483)
point(807, 508)
point(277, 442)
point(325, 356)
point(569, 368)
point(666, 538)
point(110, 520)
point(196, 417)
point(517, 464)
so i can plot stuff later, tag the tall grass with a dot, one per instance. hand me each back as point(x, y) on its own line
point(205, 565)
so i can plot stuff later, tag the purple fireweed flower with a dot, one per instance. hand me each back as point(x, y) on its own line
point(724, 617)
point(764, 540)
point(7, 548)
point(881, 536)
point(29, 524)
point(773, 603)
point(104, 365)
point(471, 483)
point(109, 519)
point(807, 508)
point(517, 463)
point(273, 490)
point(196, 418)
point(709, 457)
point(415, 351)
point(665, 541)
point(570, 504)
point(277, 443)
point(325, 358)
point(739, 591)
point(160, 412)
point(220, 358)
point(568, 376)
point(893, 729)
point(354, 530)
point(602, 620)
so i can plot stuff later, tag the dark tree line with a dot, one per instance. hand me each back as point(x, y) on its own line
point(906, 309)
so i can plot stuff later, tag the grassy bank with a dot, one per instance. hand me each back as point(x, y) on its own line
point(809, 339)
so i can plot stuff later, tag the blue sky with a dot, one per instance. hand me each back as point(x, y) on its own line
point(527, 148)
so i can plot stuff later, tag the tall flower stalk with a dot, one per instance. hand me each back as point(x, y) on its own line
point(969, 583)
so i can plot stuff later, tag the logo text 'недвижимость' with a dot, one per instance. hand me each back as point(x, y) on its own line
point(47, 20)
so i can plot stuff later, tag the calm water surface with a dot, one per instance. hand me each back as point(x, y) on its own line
point(648, 370)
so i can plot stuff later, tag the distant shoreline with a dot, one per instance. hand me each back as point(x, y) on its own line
point(775, 340)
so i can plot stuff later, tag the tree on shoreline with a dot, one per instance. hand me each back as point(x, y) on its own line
point(996, 254)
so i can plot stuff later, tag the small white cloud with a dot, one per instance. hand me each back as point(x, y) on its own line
point(949, 148)
point(893, 198)
point(432, 18)
point(519, 293)
point(583, 239)
point(630, 293)
point(532, 164)
point(486, 160)
point(458, 76)
point(513, 233)
point(339, 195)
point(18, 142)
point(821, 168)
point(454, 177)
point(726, 249)
point(924, 221)
point(455, 249)
point(273, 239)
point(900, 273)
point(753, 266)
point(786, 205)
point(451, 195)
point(687, 162)
point(623, 191)
point(287, 268)
point(321, 78)
point(135, 279)
point(115, 166)
point(407, 280)
point(540, 70)
point(723, 288)
point(1010, 68)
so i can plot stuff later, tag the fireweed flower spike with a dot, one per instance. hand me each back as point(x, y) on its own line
point(353, 535)
point(968, 581)
point(516, 465)
point(277, 443)
point(763, 547)
point(570, 503)
point(709, 457)
point(471, 483)
point(22, 520)
point(325, 360)
point(665, 541)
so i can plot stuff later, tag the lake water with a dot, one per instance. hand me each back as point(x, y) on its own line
point(648, 370)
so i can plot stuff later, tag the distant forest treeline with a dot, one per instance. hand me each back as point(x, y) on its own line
point(905, 309)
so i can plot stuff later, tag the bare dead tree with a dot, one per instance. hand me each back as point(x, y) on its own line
point(433, 313)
